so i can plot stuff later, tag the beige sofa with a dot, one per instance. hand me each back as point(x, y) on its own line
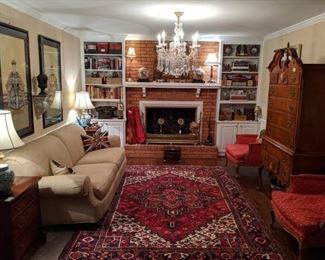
point(83, 197)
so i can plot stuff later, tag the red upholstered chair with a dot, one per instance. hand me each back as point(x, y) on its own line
point(301, 210)
point(246, 152)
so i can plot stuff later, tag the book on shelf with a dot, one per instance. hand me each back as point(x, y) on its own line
point(103, 63)
point(96, 92)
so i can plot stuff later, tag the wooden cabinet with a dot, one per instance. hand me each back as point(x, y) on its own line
point(20, 220)
point(226, 133)
point(294, 140)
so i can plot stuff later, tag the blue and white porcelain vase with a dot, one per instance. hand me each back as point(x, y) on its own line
point(6, 179)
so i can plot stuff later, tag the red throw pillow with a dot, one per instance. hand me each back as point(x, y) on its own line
point(98, 140)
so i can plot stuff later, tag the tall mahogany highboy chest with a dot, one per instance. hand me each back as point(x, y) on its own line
point(294, 140)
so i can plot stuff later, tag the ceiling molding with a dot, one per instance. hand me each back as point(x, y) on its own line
point(297, 26)
point(26, 9)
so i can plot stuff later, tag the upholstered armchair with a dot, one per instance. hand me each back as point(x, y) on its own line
point(246, 151)
point(301, 210)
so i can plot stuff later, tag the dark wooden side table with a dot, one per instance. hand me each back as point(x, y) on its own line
point(172, 154)
point(20, 220)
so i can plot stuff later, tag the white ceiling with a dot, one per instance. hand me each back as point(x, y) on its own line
point(145, 19)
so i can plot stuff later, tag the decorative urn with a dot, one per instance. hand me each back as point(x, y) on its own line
point(6, 179)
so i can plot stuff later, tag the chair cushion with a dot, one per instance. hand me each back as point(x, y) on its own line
point(302, 213)
point(101, 176)
point(238, 151)
point(114, 155)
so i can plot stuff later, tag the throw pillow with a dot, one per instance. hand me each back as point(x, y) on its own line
point(98, 140)
point(92, 129)
point(58, 169)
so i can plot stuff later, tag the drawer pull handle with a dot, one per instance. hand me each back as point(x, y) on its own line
point(289, 124)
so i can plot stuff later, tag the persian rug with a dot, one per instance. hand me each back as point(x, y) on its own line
point(176, 212)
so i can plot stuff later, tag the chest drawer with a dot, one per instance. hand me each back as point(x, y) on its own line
point(25, 240)
point(287, 91)
point(30, 214)
point(276, 161)
point(283, 105)
point(283, 136)
point(21, 203)
point(281, 119)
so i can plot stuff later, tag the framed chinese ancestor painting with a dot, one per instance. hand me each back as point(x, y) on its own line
point(15, 80)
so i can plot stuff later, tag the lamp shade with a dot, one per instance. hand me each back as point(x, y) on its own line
point(8, 136)
point(83, 101)
point(211, 60)
point(56, 104)
point(131, 53)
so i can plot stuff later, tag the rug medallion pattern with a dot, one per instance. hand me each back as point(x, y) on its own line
point(176, 212)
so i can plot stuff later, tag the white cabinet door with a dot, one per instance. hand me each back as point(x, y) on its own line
point(226, 134)
point(248, 128)
point(114, 128)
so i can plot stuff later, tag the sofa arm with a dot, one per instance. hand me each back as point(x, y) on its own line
point(64, 185)
point(114, 140)
point(307, 184)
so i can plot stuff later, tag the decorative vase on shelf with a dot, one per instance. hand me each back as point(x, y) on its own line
point(6, 179)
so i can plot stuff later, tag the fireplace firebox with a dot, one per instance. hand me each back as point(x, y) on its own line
point(172, 122)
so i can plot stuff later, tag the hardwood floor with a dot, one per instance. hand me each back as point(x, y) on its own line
point(59, 236)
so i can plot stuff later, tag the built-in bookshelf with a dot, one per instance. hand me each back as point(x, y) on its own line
point(103, 64)
point(238, 93)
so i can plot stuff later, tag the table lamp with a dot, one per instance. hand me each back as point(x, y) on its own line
point(83, 102)
point(131, 55)
point(9, 139)
point(211, 61)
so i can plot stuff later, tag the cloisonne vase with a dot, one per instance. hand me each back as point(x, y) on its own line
point(6, 179)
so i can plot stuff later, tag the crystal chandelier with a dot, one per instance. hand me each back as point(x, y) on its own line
point(173, 59)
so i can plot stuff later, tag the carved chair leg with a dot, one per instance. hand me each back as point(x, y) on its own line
point(237, 171)
point(272, 218)
point(301, 250)
point(226, 163)
point(260, 180)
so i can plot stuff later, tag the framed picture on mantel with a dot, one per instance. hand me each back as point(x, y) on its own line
point(15, 80)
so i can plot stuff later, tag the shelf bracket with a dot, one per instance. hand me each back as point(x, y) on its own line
point(144, 93)
point(198, 92)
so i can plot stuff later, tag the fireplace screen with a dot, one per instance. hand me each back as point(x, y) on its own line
point(169, 121)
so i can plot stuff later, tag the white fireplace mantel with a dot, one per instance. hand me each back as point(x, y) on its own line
point(171, 85)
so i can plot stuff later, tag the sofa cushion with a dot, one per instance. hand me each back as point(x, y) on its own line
point(114, 155)
point(101, 176)
point(70, 136)
point(34, 157)
point(304, 213)
point(238, 151)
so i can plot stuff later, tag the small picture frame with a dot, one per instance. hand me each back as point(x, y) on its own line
point(250, 82)
point(228, 82)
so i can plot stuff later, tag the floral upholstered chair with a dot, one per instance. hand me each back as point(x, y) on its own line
point(246, 151)
point(301, 210)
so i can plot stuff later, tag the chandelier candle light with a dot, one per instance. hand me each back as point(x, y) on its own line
point(173, 59)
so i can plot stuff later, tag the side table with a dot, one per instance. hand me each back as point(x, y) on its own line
point(20, 220)
point(172, 154)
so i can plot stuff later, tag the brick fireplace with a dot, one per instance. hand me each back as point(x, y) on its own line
point(205, 102)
